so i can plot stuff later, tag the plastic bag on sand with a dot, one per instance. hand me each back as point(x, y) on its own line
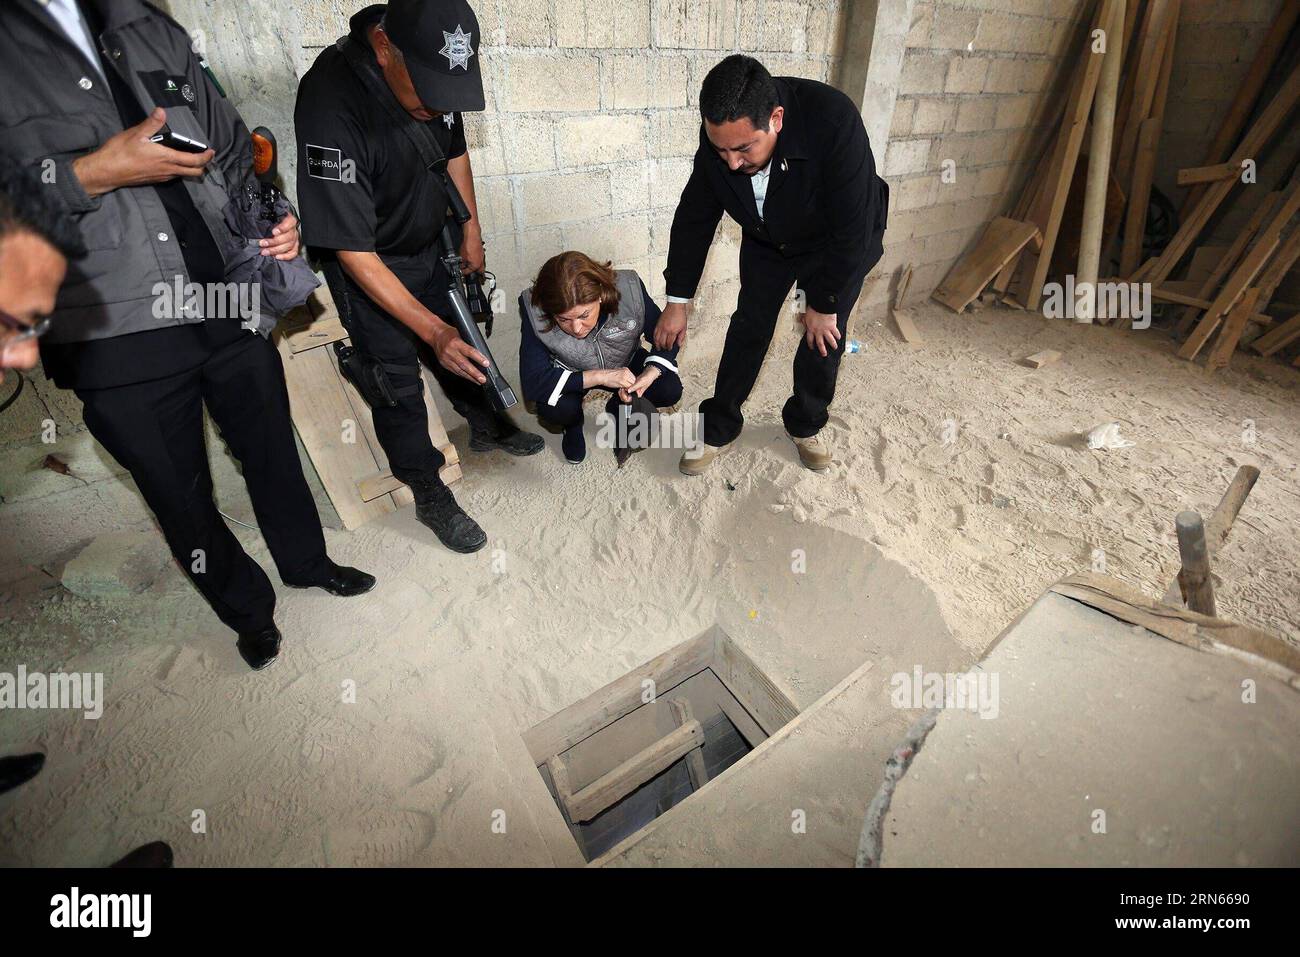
point(1107, 437)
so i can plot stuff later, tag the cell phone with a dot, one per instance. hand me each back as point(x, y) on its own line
point(173, 140)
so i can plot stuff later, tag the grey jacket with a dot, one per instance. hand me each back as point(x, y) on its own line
point(612, 344)
point(55, 107)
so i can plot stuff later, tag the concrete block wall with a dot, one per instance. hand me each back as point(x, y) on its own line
point(975, 80)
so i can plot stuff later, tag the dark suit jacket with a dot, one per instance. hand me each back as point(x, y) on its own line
point(825, 207)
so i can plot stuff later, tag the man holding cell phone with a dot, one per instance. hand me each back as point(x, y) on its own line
point(115, 115)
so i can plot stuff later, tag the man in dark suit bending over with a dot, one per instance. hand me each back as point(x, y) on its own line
point(789, 160)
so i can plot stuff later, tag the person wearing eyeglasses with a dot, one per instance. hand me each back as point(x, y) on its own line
point(36, 242)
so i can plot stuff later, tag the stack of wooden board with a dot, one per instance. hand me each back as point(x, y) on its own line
point(333, 421)
point(1221, 288)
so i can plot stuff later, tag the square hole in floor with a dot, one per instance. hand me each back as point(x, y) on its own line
point(647, 741)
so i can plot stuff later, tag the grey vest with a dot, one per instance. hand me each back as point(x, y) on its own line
point(608, 346)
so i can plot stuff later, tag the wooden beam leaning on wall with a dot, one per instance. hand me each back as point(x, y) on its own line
point(1260, 133)
point(1046, 215)
point(1230, 259)
point(1142, 164)
point(1001, 241)
point(1252, 84)
point(1245, 273)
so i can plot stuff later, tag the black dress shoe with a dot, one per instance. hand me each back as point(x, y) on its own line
point(19, 769)
point(259, 648)
point(154, 854)
point(342, 581)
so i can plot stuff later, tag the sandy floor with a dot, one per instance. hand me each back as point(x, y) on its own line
point(962, 488)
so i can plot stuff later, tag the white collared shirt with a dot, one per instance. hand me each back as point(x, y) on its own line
point(68, 16)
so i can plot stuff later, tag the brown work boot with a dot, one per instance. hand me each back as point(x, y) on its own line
point(697, 461)
point(813, 452)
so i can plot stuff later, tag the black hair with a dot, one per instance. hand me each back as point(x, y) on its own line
point(27, 206)
point(738, 87)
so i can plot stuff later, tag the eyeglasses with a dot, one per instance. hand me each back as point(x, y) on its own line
point(22, 331)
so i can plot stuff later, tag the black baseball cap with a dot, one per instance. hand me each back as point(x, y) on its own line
point(439, 40)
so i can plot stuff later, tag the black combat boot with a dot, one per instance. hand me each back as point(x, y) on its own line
point(490, 430)
point(436, 507)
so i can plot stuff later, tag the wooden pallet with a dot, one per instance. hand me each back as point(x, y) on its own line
point(334, 422)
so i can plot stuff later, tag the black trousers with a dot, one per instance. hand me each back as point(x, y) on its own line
point(403, 430)
point(663, 392)
point(765, 279)
point(155, 430)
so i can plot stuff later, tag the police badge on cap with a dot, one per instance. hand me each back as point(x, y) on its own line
point(439, 40)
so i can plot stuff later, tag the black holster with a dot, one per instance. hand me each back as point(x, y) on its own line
point(370, 376)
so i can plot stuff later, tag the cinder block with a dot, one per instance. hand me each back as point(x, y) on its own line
point(976, 114)
point(966, 74)
point(529, 142)
point(934, 115)
point(565, 197)
point(666, 178)
point(922, 23)
point(639, 80)
point(906, 156)
point(483, 138)
point(773, 25)
point(954, 28)
point(495, 208)
point(603, 138)
point(901, 122)
point(914, 193)
point(542, 83)
point(825, 27)
point(1014, 112)
point(922, 73)
point(618, 239)
point(527, 23)
point(606, 24)
point(692, 25)
point(676, 133)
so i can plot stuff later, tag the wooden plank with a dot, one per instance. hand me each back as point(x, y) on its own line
point(1044, 358)
point(1153, 44)
point(1207, 174)
point(1215, 193)
point(1229, 258)
point(699, 774)
point(612, 787)
point(749, 729)
point(1002, 239)
point(753, 689)
point(1245, 274)
point(903, 319)
point(566, 728)
point(904, 282)
point(1279, 338)
point(1165, 294)
point(1048, 216)
point(1234, 325)
point(1135, 223)
point(319, 405)
point(1248, 91)
point(1278, 267)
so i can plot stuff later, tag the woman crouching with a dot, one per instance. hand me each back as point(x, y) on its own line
point(583, 326)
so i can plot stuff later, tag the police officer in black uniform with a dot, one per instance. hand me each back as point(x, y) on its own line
point(788, 159)
point(372, 212)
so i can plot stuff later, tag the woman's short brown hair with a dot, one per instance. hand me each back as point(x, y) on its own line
point(573, 279)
